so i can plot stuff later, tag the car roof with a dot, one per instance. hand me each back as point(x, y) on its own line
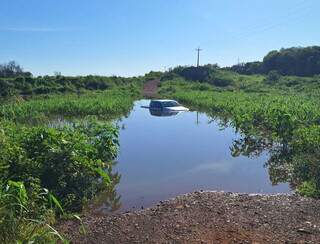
point(163, 100)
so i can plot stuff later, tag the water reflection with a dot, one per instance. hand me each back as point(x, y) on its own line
point(109, 201)
point(161, 158)
point(162, 113)
point(280, 163)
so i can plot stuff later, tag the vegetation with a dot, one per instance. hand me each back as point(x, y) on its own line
point(26, 217)
point(225, 80)
point(73, 162)
point(60, 84)
point(290, 61)
point(282, 121)
point(107, 104)
point(48, 170)
point(68, 161)
point(12, 69)
point(211, 74)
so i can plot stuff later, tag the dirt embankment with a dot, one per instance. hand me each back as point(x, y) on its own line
point(208, 217)
point(150, 88)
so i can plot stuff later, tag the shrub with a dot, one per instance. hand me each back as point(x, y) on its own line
point(273, 77)
point(195, 73)
point(6, 88)
point(221, 82)
point(53, 84)
point(70, 162)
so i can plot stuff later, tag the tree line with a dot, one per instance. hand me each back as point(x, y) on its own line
point(59, 84)
point(12, 69)
point(300, 61)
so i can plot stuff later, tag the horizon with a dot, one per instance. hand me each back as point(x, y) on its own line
point(79, 38)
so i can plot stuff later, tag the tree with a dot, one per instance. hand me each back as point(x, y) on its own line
point(12, 69)
point(287, 61)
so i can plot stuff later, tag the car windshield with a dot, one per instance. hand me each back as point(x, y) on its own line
point(170, 104)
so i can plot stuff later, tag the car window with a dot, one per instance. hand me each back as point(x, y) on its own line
point(155, 104)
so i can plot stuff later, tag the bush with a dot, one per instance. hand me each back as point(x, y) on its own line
point(309, 189)
point(6, 88)
point(221, 82)
point(195, 73)
point(69, 162)
point(61, 84)
point(273, 77)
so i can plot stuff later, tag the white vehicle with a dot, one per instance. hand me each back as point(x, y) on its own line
point(166, 105)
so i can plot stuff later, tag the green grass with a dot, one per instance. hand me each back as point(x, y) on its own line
point(226, 80)
point(260, 83)
point(74, 162)
point(284, 122)
point(107, 104)
point(238, 104)
point(26, 218)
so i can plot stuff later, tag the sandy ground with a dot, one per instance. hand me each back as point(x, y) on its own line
point(207, 217)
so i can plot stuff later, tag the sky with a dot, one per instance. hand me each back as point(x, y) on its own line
point(132, 37)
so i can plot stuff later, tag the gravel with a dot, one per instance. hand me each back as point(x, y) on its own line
point(207, 217)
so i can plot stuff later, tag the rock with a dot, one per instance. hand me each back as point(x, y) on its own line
point(304, 231)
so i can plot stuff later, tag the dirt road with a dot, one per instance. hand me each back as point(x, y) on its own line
point(208, 217)
point(150, 88)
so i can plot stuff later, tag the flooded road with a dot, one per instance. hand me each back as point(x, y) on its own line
point(163, 156)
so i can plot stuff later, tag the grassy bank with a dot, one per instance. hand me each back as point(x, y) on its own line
point(248, 110)
point(48, 172)
point(107, 104)
point(286, 123)
point(226, 80)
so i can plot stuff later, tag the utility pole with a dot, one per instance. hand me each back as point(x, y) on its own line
point(197, 118)
point(198, 59)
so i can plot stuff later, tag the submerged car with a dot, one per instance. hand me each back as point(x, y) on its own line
point(166, 105)
point(163, 113)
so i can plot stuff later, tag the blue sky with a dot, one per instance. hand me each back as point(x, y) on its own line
point(132, 37)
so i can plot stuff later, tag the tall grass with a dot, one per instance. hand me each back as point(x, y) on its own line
point(247, 109)
point(26, 218)
point(291, 122)
point(73, 162)
point(107, 104)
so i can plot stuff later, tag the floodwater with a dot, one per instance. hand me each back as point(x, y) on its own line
point(164, 156)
